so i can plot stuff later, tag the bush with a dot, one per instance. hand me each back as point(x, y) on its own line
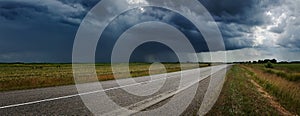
point(269, 65)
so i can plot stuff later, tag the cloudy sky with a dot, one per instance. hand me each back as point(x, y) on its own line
point(44, 30)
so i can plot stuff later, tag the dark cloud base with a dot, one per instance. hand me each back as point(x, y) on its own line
point(44, 31)
point(118, 26)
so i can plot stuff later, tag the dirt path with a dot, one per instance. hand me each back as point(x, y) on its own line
point(271, 99)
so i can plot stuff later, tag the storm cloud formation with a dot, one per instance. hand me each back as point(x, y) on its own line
point(44, 30)
point(146, 14)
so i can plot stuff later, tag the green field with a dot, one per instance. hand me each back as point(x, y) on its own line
point(28, 76)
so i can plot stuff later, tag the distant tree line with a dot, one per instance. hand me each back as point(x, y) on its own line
point(274, 61)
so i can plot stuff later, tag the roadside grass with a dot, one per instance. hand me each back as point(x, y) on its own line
point(240, 97)
point(286, 92)
point(29, 76)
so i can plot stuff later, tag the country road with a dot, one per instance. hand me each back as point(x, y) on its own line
point(65, 100)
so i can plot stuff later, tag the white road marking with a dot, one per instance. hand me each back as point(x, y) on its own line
point(70, 96)
point(134, 108)
point(87, 93)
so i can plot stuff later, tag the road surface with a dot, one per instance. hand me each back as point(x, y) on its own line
point(65, 100)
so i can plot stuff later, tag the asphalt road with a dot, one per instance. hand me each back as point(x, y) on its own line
point(163, 94)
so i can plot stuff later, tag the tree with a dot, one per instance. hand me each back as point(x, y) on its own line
point(274, 61)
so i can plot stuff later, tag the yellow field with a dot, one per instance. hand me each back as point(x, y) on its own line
point(28, 76)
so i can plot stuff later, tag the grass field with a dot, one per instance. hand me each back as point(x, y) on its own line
point(291, 68)
point(28, 76)
point(240, 96)
point(290, 72)
point(288, 67)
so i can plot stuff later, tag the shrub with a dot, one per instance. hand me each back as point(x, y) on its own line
point(269, 65)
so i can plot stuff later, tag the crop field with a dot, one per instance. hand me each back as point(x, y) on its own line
point(290, 72)
point(288, 67)
point(285, 67)
point(253, 89)
point(28, 76)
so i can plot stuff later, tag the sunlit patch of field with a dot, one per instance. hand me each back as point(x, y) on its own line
point(28, 76)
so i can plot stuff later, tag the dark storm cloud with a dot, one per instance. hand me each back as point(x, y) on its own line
point(167, 55)
point(19, 11)
point(44, 30)
point(49, 26)
point(37, 31)
point(236, 36)
point(136, 16)
point(53, 10)
point(236, 19)
point(246, 12)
